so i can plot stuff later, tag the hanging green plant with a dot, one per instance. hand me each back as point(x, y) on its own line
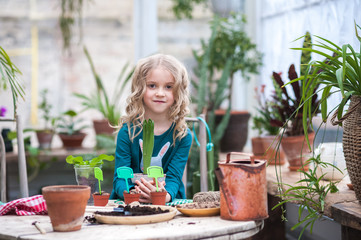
point(71, 11)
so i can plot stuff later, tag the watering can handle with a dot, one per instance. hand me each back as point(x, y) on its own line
point(228, 158)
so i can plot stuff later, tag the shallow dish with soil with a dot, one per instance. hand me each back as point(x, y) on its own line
point(136, 215)
point(199, 209)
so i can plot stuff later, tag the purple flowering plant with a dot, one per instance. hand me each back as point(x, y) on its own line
point(3, 111)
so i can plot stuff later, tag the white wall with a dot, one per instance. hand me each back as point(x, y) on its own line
point(283, 21)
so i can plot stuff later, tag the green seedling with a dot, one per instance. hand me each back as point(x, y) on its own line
point(155, 172)
point(98, 173)
point(126, 173)
point(92, 163)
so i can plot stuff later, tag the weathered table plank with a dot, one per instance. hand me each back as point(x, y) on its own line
point(181, 227)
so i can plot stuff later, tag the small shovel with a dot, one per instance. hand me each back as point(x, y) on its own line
point(98, 173)
point(126, 173)
point(155, 172)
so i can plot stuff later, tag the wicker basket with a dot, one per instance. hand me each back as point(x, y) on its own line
point(352, 143)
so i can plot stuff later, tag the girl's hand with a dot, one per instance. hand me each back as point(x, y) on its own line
point(145, 188)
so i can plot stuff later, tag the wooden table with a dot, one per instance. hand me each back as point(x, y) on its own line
point(181, 227)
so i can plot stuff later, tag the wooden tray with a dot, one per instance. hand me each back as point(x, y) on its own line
point(202, 212)
point(131, 220)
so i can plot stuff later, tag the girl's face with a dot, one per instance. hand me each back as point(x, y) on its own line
point(158, 97)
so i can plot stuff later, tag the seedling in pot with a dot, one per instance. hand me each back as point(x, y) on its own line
point(155, 172)
point(98, 173)
point(125, 173)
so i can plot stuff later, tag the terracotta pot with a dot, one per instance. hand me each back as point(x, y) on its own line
point(266, 148)
point(158, 198)
point(297, 151)
point(243, 188)
point(66, 206)
point(236, 133)
point(102, 127)
point(101, 200)
point(72, 141)
point(131, 197)
point(44, 138)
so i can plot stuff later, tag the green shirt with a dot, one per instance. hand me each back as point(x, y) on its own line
point(172, 158)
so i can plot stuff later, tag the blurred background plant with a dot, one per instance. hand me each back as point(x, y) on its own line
point(228, 50)
point(100, 100)
point(266, 109)
point(9, 78)
point(290, 107)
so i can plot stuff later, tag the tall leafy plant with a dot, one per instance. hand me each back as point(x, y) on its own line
point(9, 78)
point(100, 100)
point(227, 51)
point(339, 74)
point(290, 110)
point(148, 143)
point(310, 192)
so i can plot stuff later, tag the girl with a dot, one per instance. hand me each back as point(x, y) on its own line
point(159, 92)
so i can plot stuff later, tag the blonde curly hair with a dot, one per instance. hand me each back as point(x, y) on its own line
point(135, 107)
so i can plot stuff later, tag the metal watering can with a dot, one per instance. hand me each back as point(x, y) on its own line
point(243, 188)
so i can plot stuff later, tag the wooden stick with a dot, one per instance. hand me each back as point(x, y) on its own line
point(37, 225)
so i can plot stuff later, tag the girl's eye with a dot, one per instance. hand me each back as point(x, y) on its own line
point(169, 87)
point(151, 85)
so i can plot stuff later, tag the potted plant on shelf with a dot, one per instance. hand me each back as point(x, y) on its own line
point(69, 130)
point(342, 73)
point(264, 146)
point(84, 169)
point(46, 134)
point(100, 99)
point(291, 116)
point(228, 51)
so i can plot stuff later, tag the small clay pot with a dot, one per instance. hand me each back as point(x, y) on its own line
point(101, 200)
point(66, 206)
point(131, 197)
point(158, 198)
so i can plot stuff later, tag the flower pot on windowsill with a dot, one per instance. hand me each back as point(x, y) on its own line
point(297, 151)
point(265, 147)
point(44, 138)
point(101, 199)
point(66, 206)
point(102, 127)
point(72, 141)
point(158, 198)
point(236, 133)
